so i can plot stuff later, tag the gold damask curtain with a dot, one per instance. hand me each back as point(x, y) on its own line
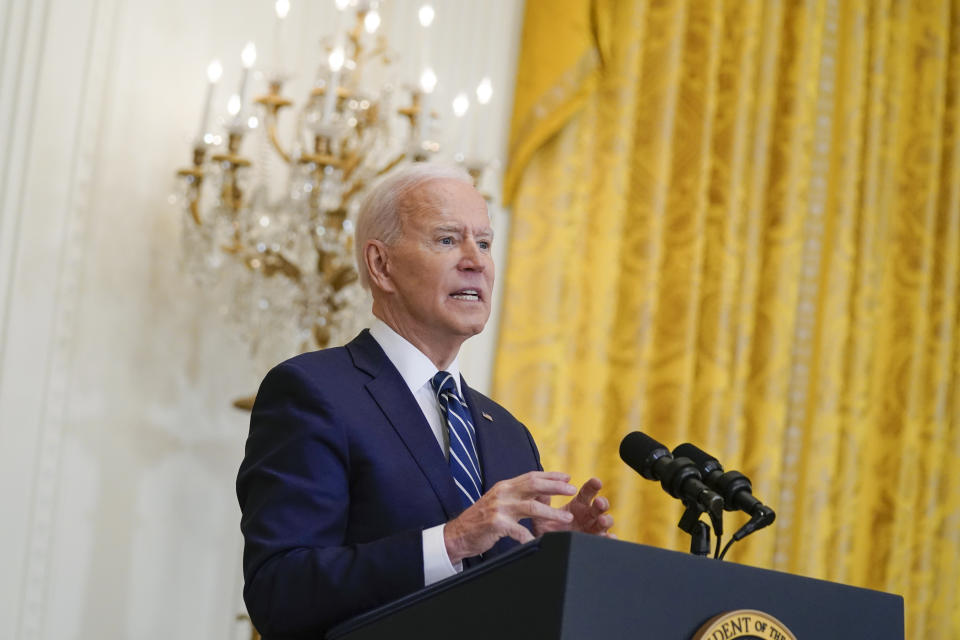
point(737, 223)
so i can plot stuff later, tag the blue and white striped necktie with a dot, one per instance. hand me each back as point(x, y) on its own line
point(464, 463)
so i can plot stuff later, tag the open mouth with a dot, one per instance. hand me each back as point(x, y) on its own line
point(471, 295)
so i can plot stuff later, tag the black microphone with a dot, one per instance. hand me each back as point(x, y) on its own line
point(678, 476)
point(733, 486)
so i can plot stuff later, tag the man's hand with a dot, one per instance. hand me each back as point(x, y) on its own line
point(498, 512)
point(588, 511)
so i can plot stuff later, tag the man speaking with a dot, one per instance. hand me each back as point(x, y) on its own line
point(372, 470)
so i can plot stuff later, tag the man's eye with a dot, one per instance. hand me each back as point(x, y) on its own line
point(446, 240)
point(483, 244)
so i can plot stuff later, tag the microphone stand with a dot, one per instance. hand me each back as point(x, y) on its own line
point(699, 531)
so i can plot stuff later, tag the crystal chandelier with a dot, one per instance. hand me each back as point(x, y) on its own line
point(281, 264)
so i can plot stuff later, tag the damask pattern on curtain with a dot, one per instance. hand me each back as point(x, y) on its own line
point(737, 223)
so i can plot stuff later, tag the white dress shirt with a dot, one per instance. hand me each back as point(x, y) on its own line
point(417, 370)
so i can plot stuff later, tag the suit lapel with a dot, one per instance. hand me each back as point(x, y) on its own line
point(400, 408)
point(490, 446)
point(495, 456)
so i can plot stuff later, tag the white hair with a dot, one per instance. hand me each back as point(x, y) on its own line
point(386, 205)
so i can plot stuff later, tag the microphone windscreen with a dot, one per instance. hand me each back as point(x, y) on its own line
point(694, 453)
point(640, 451)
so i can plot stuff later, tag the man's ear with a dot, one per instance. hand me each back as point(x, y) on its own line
point(378, 264)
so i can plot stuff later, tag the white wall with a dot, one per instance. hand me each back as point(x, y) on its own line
point(118, 445)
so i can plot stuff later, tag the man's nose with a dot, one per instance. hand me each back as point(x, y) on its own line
point(472, 257)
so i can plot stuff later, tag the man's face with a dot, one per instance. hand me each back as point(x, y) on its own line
point(441, 267)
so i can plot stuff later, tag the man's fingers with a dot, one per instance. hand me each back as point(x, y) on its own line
point(542, 487)
point(589, 491)
point(519, 533)
point(549, 475)
point(599, 506)
point(540, 483)
point(597, 520)
point(547, 482)
point(536, 509)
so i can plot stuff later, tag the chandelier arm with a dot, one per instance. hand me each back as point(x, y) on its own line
point(355, 188)
point(274, 140)
point(195, 203)
point(348, 163)
point(272, 102)
point(390, 165)
point(195, 181)
point(194, 177)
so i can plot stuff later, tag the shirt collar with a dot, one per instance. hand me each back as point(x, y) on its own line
point(414, 366)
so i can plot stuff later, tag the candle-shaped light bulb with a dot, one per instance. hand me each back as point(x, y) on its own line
point(478, 142)
point(249, 55)
point(460, 104)
point(336, 59)
point(484, 91)
point(428, 80)
point(233, 105)
point(282, 9)
point(214, 71)
point(371, 21)
point(426, 15)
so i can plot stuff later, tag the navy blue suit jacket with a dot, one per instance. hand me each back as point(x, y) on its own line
point(341, 475)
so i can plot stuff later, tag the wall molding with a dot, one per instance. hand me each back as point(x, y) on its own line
point(98, 59)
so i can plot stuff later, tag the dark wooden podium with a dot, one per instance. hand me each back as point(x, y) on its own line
point(575, 586)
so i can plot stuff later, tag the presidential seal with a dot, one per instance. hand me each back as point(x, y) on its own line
point(747, 624)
